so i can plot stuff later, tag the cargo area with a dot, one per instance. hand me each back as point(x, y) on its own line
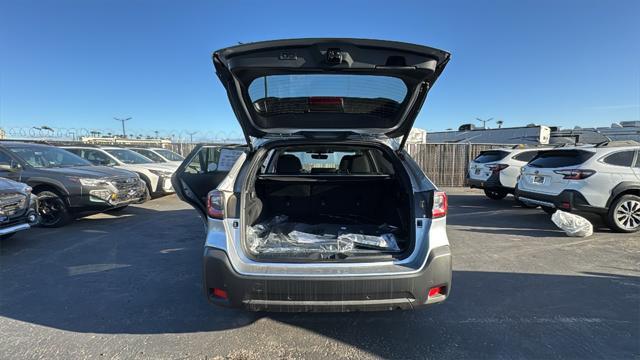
point(328, 204)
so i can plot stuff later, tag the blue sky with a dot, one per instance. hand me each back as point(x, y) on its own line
point(77, 64)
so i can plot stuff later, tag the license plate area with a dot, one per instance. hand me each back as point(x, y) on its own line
point(477, 171)
point(538, 179)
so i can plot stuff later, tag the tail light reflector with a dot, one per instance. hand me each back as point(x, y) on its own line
point(215, 204)
point(575, 174)
point(219, 293)
point(440, 205)
point(435, 291)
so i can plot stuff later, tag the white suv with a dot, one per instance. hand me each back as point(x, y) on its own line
point(603, 179)
point(496, 171)
point(157, 177)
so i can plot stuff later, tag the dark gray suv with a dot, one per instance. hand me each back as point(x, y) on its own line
point(65, 184)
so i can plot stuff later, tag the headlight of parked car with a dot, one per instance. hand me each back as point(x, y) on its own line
point(89, 181)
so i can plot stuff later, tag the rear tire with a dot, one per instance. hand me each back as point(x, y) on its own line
point(549, 210)
point(495, 194)
point(52, 210)
point(624, 214)
point(6, 236)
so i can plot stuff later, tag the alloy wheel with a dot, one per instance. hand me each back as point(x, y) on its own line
point(627, 214)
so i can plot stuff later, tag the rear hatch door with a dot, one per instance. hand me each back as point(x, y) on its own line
point(479, 167)
point(302, 86)
point(539, 175)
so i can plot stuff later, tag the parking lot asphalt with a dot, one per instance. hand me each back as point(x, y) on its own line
point(128, 285)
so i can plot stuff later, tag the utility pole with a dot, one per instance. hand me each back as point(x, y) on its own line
point(484, 122)
point(124, 134)
point(191, 135)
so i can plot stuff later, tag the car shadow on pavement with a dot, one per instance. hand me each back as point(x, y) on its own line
point(497, 217)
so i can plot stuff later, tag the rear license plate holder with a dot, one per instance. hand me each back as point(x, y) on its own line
point(538, 179)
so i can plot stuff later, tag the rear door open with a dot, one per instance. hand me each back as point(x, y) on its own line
point(370, 87)
point(202, 170)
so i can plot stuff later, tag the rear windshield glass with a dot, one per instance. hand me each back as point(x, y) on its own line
point(560, 158)
point(354, 94)
point(490, 156)
point(339, 161)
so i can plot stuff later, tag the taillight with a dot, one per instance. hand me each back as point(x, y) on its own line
point(497, 167)
point(575, 174)
point(440, 205)
point(435, 291)
point(215, 204)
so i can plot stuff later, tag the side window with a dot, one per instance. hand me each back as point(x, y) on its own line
point(622, 158)
point(97, 158)
point(213, 159)
point(637, 165)
point(5, 162)
point(526, 156)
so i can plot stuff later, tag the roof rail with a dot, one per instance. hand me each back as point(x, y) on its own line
point(617, 143)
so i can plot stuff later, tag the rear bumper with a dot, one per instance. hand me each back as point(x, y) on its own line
point(568, 200)
point(491, 183)
point(331, 294)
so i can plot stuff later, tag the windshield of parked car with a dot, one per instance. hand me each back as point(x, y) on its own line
point(169, 155)
point(129, 157)
point(151, 155)
point(48, 157)
point(560, 158)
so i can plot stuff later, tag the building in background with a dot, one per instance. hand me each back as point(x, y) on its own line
point(468, 134)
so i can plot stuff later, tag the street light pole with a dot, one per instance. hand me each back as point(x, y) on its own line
point(124, 134)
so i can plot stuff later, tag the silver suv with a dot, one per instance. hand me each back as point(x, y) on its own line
point(322, 210)
point(602, 179)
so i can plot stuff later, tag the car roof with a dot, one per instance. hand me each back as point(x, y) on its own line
point(10, 144)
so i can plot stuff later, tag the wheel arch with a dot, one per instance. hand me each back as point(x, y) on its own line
point(624, 188)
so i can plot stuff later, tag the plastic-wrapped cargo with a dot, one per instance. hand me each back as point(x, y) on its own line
point(279, 236)
point(572, 224)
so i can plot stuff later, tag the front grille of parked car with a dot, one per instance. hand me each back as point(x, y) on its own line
point(11, 204)
point(125, 184)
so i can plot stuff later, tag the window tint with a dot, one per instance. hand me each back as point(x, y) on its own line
point(622, 158)
point(374, 95)
point(560, 158)
point(526, 156)
point(490, 156)
point(637, 160)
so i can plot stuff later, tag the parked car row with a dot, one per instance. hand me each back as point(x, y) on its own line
point(51, 185)
point(603, 179)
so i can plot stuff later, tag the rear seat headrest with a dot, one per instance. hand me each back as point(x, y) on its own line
point(360, 165)
point(288, 164)
point(345, 163)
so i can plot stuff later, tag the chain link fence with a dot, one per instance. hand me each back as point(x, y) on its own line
point(76, 134)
